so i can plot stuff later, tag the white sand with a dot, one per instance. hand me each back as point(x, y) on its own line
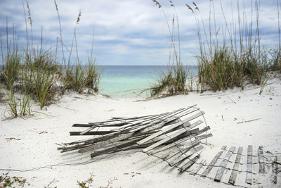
point(39, 134)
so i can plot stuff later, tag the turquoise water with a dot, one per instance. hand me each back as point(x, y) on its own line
point(131, 80)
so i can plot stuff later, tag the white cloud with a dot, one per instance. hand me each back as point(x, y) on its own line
point(129, 31)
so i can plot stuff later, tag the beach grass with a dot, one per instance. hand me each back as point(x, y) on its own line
point(172, 82)
point(11, 69)
point(78, 78)
point(231, 54)
point(38, 74)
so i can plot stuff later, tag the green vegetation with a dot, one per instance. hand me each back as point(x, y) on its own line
point(87, 183)
point(19, 108)
point(33, 73)
point(11, 69)
point(38, 76)
point(8, 181)
point(173, 82)
point(13, 105)
point(77, 78)
point(231, 54)
point(223, 70)
point(92, 77)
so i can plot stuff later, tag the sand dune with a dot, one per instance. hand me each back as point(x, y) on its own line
point(237, 118)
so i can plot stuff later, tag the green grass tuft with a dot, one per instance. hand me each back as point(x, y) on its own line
point(172, 82)
point(11, 70)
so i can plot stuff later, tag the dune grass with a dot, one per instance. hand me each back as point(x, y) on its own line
point(172, 82)
point(223, 70)
point(19, 107)
point(78, 78)
point(231, 53)
point(92, 77)
point(37, 74)
point(11, 69)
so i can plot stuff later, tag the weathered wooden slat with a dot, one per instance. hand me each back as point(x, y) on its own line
point(81, 125)
point(185, 155)
point(186, 141)
point(223, 164)
point(198, 168)
point(169, 128)
point(161, 132)
point(182, 153)
point(167, 120)
point(211, 164)
point(180, 141)
point(174, 135)
point(77, 133)
point(104, 143)
point(249, 165)
point(190, 162)
point(175, 152)
point(235, 169)
point(261, 160)
point(204, 136)
point(113, 147)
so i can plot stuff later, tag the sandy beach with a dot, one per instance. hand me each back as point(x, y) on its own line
point(237, 118)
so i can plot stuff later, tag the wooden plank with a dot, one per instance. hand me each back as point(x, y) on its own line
point(198, 168)
point(235, 169)
point(183, 153)
point(249, 165)
point(175, 152)
point(161, 132)
point(186, 154)
point(171, 127)
point(211, 164)
point(223, 164)
point(81, 125)
point(169, 120)
point(261, 160)
point(180, 141)
point(113, 147)
point(77, 133)
point(190, 162)
point(185, 141)
point(174, 135)
point(204, 136)
point(104, 143)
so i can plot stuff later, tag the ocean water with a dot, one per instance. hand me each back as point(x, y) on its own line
point(118, 81)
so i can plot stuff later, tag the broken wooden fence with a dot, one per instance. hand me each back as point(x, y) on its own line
point(175, 137)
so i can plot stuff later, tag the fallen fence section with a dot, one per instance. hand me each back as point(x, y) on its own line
point(175, 137)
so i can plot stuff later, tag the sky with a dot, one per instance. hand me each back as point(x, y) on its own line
point(126, 32)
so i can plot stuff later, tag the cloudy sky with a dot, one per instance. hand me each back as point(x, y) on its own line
point(126, 32)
